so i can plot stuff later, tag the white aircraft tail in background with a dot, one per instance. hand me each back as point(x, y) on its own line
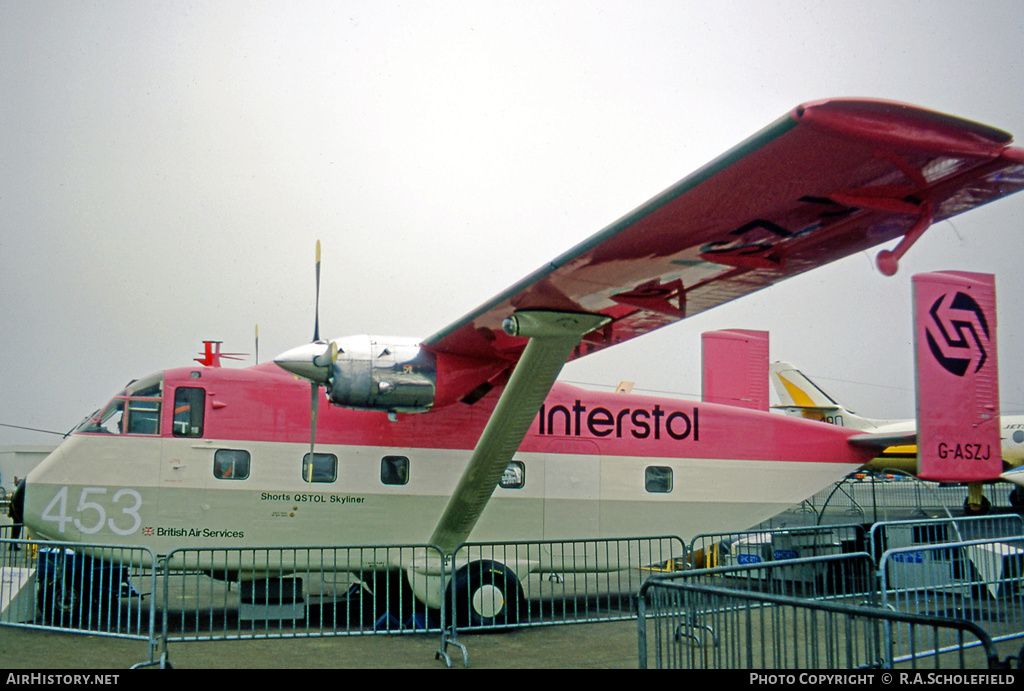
point(800, 396)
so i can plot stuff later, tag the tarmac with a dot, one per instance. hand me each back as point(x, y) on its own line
point(607, 645)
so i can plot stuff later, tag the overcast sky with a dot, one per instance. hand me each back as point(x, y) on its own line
point(167, 167)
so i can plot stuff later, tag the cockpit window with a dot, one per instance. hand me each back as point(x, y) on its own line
point(136, 410)
point(110, 420)
point(150, 387)
point(143, 416)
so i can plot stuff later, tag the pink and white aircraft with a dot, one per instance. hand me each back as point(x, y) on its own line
point(467, 434)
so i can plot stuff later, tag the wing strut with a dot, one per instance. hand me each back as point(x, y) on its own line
point(553, 336)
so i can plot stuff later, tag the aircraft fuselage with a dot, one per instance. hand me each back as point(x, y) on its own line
point(220, 457)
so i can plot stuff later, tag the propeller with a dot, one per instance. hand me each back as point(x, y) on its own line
point(312, 361)
point(316, 318)
point(322, 361)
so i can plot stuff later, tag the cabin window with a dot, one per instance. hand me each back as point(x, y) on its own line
point(394, 470)
point(514, 476)
point(231, 464)
point(323, 468)
point(658, 479)
point(189, 409)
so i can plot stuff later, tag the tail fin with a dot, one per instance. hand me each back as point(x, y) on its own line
point(957, 377)
point(798, 395)
point(797, 391)
point(735, 363)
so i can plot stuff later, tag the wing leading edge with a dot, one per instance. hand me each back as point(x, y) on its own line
point(828, 179)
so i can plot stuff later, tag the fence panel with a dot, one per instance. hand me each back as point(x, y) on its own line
point(980, 580)
point(86, 588)
point(887, 535)
point(497, 585)
point(691, 625)
point(242, 593)
point(762, 547)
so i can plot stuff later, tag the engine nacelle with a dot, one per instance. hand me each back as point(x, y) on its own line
point(392, 374)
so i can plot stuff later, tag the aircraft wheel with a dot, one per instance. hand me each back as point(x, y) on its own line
point(1017, 497)
point(486, 593)
point(55, 603)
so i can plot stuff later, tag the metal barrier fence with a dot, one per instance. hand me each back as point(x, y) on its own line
point(980, 580)
point(926, 576)
point(749, 547)
point(237, 594)
point(894, 534)
point(554, 582)
point(218, 594)
point(86, 588)
point(302, 592)
point(700, 626)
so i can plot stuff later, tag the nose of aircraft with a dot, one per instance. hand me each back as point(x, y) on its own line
point(311, 361)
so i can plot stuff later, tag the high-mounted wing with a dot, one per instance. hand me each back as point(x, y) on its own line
point(827, 180)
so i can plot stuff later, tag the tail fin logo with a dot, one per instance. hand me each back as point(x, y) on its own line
point(958, 333)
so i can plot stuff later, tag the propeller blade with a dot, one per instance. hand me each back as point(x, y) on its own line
point(314, 407)
point(316, 322)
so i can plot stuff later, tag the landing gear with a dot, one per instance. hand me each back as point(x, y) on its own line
point(976, 503)
point(57, 593)
point(979, 509)
point(78, 591)
point(1017, 497)
point(486, 594)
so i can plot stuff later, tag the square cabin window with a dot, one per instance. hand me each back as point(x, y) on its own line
point(514, 476)
point(324, 468)
point(231, 464)
point(394, 470)
point(658, 479)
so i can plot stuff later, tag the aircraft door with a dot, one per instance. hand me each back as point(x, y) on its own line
point(186, 460)
point(572, 481)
